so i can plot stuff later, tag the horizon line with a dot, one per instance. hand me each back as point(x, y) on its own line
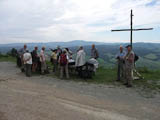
point(73, 41)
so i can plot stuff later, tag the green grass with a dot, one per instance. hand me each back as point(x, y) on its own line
point(108, 76)
point(151, 79)
point(6, 58)
point(104, 76)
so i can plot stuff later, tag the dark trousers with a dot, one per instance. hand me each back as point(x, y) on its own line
point(64, 69)
point(55, 65)
point(79, 70)
point(120, 71)
point(19, 61)
point(28, 69)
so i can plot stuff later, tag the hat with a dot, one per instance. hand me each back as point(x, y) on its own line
point(128, 46)
point(64, 50)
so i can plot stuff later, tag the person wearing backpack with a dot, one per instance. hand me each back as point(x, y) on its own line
point(63, 61)
point(129, 66)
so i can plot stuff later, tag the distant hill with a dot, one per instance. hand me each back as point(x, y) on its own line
point(6, 47)
point(149, 52)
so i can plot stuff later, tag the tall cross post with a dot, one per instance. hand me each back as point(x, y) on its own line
point(131, 29)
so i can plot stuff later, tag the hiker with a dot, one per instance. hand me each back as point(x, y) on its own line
point(27, 58)
point(63, 61)
point(54, 60)
point(18, 59)
point(121, 64)
point(59, 51)
point(35, 59)
point(80, 60)
point(21, 53)
point(94, 52)
point(43, 60)
point(69, 53)
point(129, 66)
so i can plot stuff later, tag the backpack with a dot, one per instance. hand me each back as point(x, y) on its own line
point(136, 57)
point(63, 59)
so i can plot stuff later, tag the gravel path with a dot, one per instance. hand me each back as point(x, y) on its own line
point(45, 98)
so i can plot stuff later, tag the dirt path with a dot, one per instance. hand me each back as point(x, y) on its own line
point(44, 98)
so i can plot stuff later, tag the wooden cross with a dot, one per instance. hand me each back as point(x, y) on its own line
point(131, 29)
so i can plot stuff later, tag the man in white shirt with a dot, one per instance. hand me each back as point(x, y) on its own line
point(80, 60)
point(27, 58)
point(43, 60)
point(81, 57)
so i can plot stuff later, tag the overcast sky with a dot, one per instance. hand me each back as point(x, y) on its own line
point(66, 20)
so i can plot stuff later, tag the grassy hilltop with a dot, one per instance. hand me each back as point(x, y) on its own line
point(148, 64)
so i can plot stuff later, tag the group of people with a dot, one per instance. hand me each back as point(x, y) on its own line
point(126, 64)
point(30, 60)
point(61, 58)
point(33, 61)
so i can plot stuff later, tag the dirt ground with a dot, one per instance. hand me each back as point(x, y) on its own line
point(46, 98)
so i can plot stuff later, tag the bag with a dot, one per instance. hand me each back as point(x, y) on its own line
point(136, 57)
point(63, 59)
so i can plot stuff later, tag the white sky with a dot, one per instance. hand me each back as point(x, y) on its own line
point(66, 20)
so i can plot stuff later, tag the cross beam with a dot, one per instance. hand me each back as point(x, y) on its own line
point(131, 29)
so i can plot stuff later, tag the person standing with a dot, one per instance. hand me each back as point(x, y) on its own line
point(54, 60)
point(43, 60)
point(35, 58)
point(69, 53)
point(27, 58)
point(21, 53)
point(129, 66)
point(94, 52)
point(121, 64)
point(80, 60)
point(63, 61)
point(59, 51)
